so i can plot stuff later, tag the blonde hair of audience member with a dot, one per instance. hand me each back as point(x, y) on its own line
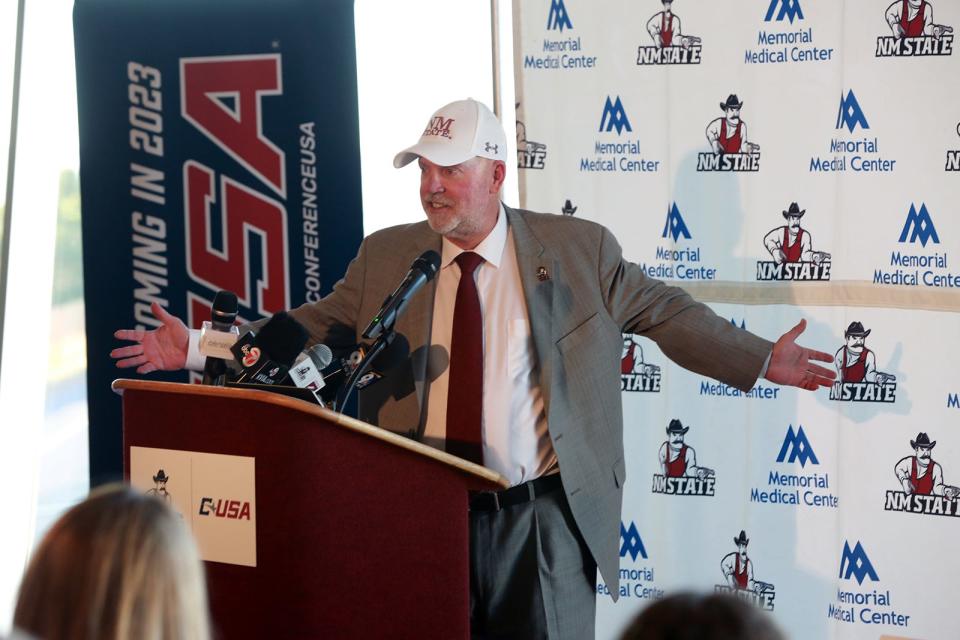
point(118, 565)
point(706, 616)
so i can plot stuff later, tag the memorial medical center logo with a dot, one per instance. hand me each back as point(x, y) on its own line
point(859, 604)
point(922, 488)
point(676, 258)
point(617, 149)
point(559, 52)
point(636, 374)
point(670, 46)
point(785, 486)
point(913, 31)
point(858, 153)
point(727, 136)
point(636, 582)
point(858, 379)
point(740, 581)
point(917, 259)
point(679, 473)
point(785, 40)
point(791, 249)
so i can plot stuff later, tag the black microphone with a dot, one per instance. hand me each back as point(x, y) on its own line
point(222, 316)
point(394, 353)
point(267, 357)
point(421, 272)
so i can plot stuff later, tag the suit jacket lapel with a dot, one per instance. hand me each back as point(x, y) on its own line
point(538, 270)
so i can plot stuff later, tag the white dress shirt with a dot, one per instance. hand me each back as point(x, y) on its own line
point(515, 439)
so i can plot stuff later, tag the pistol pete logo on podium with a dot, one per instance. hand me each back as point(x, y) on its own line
point(730, 150)
point(680, 475)
point(922, 488)
point(737, 568)
point(670, 45)
point(858, 379)
point(913, 31)
point(859, 604)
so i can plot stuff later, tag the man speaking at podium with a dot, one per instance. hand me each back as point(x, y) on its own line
point(527, 310)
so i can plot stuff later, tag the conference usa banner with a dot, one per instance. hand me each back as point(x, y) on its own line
point(779, 159)
point(219, 149)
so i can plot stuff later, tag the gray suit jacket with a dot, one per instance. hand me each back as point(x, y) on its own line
point(577, 315)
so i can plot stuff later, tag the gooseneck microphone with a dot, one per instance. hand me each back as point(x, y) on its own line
point(222, 316)
point(267, 357)
point(421, 272)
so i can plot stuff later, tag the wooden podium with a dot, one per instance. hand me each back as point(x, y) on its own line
point(360, 533)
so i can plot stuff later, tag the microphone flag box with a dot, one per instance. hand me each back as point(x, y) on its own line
point(217, 344)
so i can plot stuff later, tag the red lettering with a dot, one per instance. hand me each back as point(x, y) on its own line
point(221, 96)
point(221, 511)
point(243, 211)
point(244, 512)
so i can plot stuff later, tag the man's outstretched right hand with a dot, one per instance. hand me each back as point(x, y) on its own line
point(163, 348)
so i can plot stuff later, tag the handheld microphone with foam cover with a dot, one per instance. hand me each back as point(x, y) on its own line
point(421, 272)
point(220, 336)
point(267, 358)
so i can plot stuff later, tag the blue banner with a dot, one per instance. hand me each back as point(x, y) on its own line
point(219, 149)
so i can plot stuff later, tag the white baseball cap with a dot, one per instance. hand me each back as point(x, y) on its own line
point(455, 133)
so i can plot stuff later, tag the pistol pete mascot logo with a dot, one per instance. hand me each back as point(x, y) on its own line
point(857, 377)
point(670, 46)
point(530, 154)
point(913, 31)
point(727, 137)
point(160, 486)
point(679, 473)
point(791, 249)
point(635, 374)
point(737, 568)
point(921, 480)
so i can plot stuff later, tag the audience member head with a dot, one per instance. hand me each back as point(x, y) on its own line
point(118, 565)
point(689, 616)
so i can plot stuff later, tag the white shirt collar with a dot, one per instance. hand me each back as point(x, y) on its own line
point(490, 248)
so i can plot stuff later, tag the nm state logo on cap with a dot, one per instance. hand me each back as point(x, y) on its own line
point(912, 31)
point(439, 126)
point(670, 46)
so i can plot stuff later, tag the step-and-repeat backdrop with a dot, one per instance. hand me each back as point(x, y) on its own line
point(780, 159)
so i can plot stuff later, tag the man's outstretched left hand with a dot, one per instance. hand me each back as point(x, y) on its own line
point(791, 364)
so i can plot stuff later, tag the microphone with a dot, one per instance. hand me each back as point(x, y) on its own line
point(395, 353)
point(266, 357)
point(307, 371)
point(217, 336)
point(421, 272)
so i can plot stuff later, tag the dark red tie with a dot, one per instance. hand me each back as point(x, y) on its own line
point(465, 394)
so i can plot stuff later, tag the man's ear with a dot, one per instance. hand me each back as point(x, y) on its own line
point(499, 175)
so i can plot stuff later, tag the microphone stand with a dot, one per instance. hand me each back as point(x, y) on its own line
point(381, 343)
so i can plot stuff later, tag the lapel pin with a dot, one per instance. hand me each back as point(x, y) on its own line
point(542, 274)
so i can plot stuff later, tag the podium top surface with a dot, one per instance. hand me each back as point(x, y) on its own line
point(488, 475)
